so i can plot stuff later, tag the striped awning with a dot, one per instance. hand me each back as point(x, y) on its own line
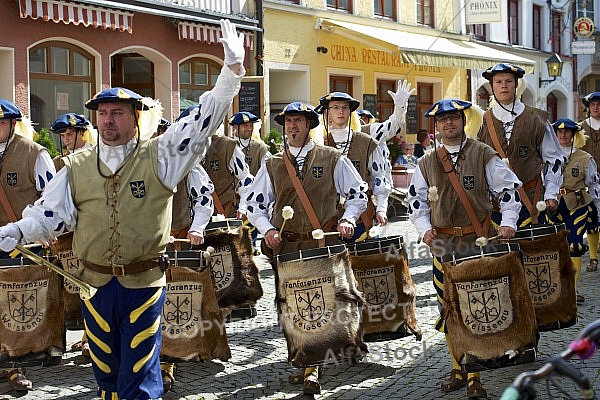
point(208, 33)
point(74, 13)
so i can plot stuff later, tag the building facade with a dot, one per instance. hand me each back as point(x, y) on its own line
point(56, 54)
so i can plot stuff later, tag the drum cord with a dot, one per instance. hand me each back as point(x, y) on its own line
point(583, 347)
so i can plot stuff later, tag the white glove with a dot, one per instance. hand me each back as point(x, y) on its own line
point(233, 44)
point(403, 93)
point(10, 235)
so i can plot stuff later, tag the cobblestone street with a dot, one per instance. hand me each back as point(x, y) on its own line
point(396, 369)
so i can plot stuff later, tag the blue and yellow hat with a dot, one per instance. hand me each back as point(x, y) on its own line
point(242, 117)
point(69, 120)
point(164, 123)
point(594, 96)
point(9, 110)
point(503, 67)
point(338, 96)
point(447, 105)
point(116, 95)
point(567, 123)
point(363, 112)
point(299, 108)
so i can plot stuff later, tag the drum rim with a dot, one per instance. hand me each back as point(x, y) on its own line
point(309, 253)
point(227, 224)
point(355, 249)
point(188, 255)
point(494, 251)
point(540, 230)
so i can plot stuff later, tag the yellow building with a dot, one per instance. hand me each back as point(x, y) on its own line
point(310, 50)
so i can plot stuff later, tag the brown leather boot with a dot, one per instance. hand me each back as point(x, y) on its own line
point(456, 380)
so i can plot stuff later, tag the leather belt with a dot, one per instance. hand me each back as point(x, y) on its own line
point(562, 191)
point(293, 236)
point(122, 270)
point(456, 230)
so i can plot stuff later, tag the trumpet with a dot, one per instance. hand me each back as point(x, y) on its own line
point(86, 291)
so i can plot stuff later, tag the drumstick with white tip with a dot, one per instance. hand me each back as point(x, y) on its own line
point(318, 234)
point(483, 241)
point(287, 213)
point(173, 239)
point(375, 231)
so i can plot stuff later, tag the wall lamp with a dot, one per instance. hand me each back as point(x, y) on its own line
point(554, 65)
point(322, 49)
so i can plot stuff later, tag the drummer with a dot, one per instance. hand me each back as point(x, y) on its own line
point(28, 169)
point(591, 126)
point(523, 135)
point(580, 188)
point(246, 127)
point(364, 152)
point(77, 133)
point(438, 213)
point(324, 174)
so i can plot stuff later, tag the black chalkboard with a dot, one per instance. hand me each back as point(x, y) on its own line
point(370, 103)
point(249, 98)
point(412, 119)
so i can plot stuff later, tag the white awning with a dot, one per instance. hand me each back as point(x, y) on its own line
point(208, 33)
point(75, 13)
point(422, 49)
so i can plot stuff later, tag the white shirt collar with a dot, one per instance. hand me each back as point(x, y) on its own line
point(506, 116)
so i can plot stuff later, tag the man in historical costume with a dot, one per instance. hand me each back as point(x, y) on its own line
point(436, 209)
point(246, 127)
point(76, 133)
point(579, 197)
point(591, 126)
point(127, 181)
point(324, 174)
point(364, 152)
point(365, 117)
point(524, 137)
point(25, 170)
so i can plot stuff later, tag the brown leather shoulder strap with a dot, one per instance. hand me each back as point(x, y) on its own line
point(312, 216)
point(524, 198)
point(444, 157)
point(218, 205)
point(8, 210)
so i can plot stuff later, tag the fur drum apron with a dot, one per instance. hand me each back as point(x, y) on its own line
point(63, 251)
point(234, 271)
point(382, 275)
point(31, 313)
point(319, 307)
point(192, 324)
point(549, 275)
point(489, 312)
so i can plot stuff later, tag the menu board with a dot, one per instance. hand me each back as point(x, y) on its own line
point(412, 119)
point(249, 97)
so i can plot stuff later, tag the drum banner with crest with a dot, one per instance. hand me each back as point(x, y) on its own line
point(319, 310)
point(62, 249)
point(550, 278)
point(389, 292)
point(233, 268)
point(489, 312)
point(192, 325)
point(31, 311)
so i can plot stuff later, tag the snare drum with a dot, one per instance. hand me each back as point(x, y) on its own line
point(549, 275)
point(381, 271)
point(319, 306)
point(192, 324)
point(63, 251)
point(234, 272)
point(31, 314)
point(489, 314)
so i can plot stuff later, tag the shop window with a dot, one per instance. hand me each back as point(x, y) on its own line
point(196, 76)
point(479, 31)
point(341, 84)
point(552, 107)
point(557, 30)
point(483, 98)
point(385, 9)
point(340, 5)
point(424, 101)
point(425, 13)
point(385, 104)
point(61, 81)
point(133, 71)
